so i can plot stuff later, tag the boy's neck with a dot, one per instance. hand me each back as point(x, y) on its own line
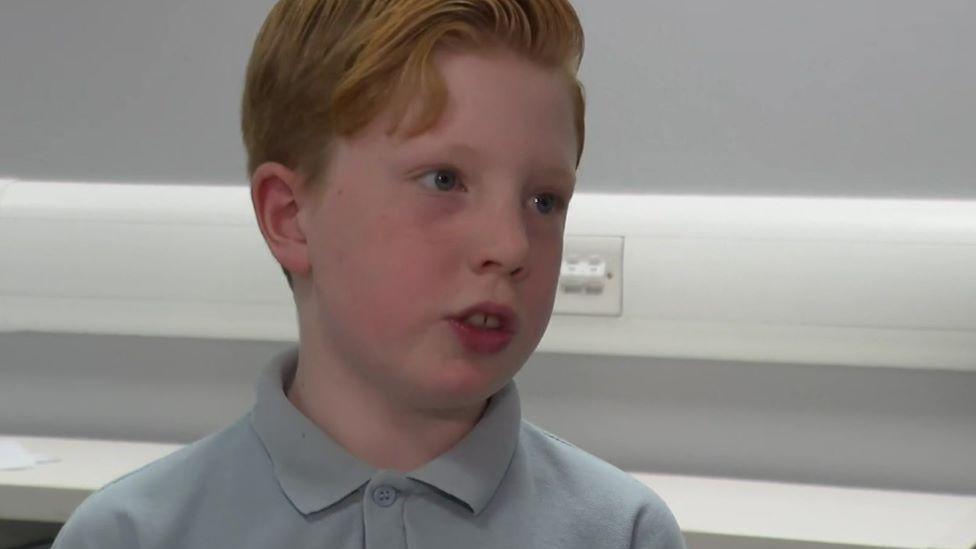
point(367, 425)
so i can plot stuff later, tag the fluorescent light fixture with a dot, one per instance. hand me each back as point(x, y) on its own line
point(860, 282)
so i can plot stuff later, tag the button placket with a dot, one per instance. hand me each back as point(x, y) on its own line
point(383, 501)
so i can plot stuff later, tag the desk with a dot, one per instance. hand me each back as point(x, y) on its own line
point(816, 516)
point(50, 492)
point(750, 512)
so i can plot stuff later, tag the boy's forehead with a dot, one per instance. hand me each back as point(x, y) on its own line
point(477, 120)
point(467, 133)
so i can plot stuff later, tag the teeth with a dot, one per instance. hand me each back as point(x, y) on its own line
point(480, 320)
point(477, 320)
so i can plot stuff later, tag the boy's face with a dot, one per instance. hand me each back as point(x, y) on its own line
point(409, 233)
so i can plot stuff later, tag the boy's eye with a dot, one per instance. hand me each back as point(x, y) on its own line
point(546, 203)
point(441, 180)
point(446, 179)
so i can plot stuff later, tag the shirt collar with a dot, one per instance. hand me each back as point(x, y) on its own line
point(474, 468)
point(315, 471)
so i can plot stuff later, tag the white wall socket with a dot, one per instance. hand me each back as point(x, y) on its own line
point(591, 279)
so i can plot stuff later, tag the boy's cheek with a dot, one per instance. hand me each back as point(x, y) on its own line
point(434, 215)
point(408, 272)
point(545, 297)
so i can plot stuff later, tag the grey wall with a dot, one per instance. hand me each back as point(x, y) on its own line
point(832, 98)
point(124, 90)
point(877, 427)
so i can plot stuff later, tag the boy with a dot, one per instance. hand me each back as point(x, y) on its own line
point(411, 163)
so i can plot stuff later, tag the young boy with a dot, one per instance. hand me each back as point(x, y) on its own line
point(411, 163)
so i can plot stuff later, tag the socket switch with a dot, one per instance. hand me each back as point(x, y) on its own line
point(591, 279)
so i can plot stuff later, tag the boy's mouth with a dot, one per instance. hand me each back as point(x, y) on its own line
point(490, 317)
point(483, 341)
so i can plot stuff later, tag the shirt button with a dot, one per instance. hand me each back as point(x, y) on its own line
point(384, 496)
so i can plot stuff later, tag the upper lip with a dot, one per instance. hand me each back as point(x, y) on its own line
point(506, 315)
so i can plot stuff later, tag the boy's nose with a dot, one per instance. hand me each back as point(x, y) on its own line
point(501, 243)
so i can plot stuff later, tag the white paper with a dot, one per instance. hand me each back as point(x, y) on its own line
point(13, 456)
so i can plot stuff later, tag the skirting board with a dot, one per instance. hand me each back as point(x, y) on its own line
point(857, 282)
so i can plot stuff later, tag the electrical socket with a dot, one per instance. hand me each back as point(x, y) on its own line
point(591, 278)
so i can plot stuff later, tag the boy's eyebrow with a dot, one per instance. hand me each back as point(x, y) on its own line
point(461, 149)
point(556, 173)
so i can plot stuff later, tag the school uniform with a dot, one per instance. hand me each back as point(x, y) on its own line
point(274, 480)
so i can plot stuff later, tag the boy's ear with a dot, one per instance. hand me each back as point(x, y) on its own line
point(277, 197)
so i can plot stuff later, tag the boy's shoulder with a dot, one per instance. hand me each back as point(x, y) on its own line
point(600, 491)
point(126, 511)
point(574, 467)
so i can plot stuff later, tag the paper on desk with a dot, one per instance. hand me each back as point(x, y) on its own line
point(13, 455)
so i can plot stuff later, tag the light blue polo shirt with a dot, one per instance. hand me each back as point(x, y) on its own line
point(274, 480)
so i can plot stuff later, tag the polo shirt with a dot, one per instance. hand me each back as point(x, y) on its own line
point(275, 480)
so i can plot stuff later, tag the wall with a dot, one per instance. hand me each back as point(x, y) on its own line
point(835, 98)
point(827, 98)
point(872, 427)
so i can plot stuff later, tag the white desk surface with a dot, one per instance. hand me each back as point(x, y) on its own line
point(818, 514)
point(50, 492)
point(739, 508)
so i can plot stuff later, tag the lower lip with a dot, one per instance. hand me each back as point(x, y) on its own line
point(481, 341)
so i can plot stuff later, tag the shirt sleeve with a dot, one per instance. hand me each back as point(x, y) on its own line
point(656, 528)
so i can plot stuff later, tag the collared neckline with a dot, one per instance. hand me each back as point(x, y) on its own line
point(315, 471)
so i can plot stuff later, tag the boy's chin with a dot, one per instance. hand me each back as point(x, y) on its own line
point(460, 384)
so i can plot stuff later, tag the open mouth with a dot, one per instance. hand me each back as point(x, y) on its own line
point(481, 340)
point(482, 321)
point(489, 316)
point(485, 328)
